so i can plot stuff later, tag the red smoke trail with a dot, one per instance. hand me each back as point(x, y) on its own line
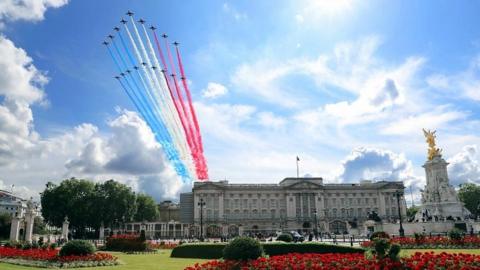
point(197, 156)
point(188, 135)
point(194, 117)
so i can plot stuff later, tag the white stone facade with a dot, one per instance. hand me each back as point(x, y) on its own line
point(293, 204)
point(439, 199)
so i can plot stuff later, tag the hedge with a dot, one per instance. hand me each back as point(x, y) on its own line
point(199, 251)
point(214, 251)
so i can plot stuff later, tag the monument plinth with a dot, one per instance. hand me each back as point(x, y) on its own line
point(439, 199)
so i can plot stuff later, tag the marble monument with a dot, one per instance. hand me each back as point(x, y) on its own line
point(439, 199)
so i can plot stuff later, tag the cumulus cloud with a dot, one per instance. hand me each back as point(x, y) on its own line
point(375, 164)
point(27, 10)
point(130, 154)
point(464, 166)
point(21, 86)
point(214, 90)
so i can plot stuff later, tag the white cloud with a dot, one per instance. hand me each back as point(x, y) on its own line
point(376, 164)
point(233, 12)
point(214, 90)
point(464, 84)
point(270, 120)
point(464, 166)
point(315, 10)
point(130, 154)
point(438, 118)
point(28, 10)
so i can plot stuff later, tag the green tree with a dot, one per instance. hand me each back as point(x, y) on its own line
point(412, 211)
point(39, 226)
point(469, 194)
point(146, 208)
point(5, 223)
point(73, 198)
point(115, 203)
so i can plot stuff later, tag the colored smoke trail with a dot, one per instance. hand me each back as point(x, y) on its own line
point(162, 101)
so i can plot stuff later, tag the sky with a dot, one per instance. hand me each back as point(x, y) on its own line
point(346, 85)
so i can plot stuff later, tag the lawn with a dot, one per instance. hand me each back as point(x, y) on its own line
point(159, 261)
point(162, 260)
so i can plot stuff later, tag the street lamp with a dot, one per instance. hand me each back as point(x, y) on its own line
point(401, 232)
point(316, 223)
point(201, 204)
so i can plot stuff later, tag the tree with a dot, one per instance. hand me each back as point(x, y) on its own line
point(73, 198)
point(146, 208)
point(469, 194)
point(412, 211)
point(5, 223)
point(115, 203)
point(39, 226)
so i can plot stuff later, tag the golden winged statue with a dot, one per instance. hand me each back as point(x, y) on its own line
point(433, 151)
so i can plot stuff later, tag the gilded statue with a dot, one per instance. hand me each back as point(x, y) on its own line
point(433, 151)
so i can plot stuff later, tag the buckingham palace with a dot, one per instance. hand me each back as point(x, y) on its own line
point(300, 204)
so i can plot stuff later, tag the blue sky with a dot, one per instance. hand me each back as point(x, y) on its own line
point(346, 85)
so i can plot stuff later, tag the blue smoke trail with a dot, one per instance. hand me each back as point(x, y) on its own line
point(160, 132)
point(146, 94)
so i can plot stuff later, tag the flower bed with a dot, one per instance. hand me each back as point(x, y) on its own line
point(127, 243)
point(433, 242)
point(50, 258)
point(162, 245)
point(331, 261)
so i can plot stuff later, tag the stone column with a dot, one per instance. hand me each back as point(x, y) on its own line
point(15, 229)
point(65, 229)
point(29, 219)
point(102, 231)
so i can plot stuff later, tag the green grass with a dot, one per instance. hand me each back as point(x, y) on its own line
point(162, 261)
point(159, 261)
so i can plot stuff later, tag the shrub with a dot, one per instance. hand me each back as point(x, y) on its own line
point(455, 234)
point(419, 237)
point(285, 237)
point(394, 252)
point(27, 245)
point(242, 249)
point(214, 251)
point(77, 247)
point(126, 244)
point(273, 249)
point(53, 245)
point(379, 235)
point(198, 251)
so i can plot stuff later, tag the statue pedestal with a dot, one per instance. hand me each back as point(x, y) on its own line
point(439, 198)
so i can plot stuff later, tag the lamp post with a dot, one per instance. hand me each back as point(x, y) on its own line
point(401, 232)
point(201, 204)
point(316, 223)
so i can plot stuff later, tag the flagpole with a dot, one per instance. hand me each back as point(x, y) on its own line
point(298, 171)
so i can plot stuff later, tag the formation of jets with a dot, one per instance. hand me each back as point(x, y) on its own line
point(153, 28)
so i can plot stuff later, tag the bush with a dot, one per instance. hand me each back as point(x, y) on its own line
point(198, 251)
point(214, 251)
point(455, 234)
point(242, 249)
point(126, 244)
point(285, 237)
point(77, 247)
point(273, 249)
point(27, 245)
point(379, 235)
point(53, 245)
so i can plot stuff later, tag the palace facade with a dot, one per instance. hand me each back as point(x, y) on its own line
point(300, 204)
